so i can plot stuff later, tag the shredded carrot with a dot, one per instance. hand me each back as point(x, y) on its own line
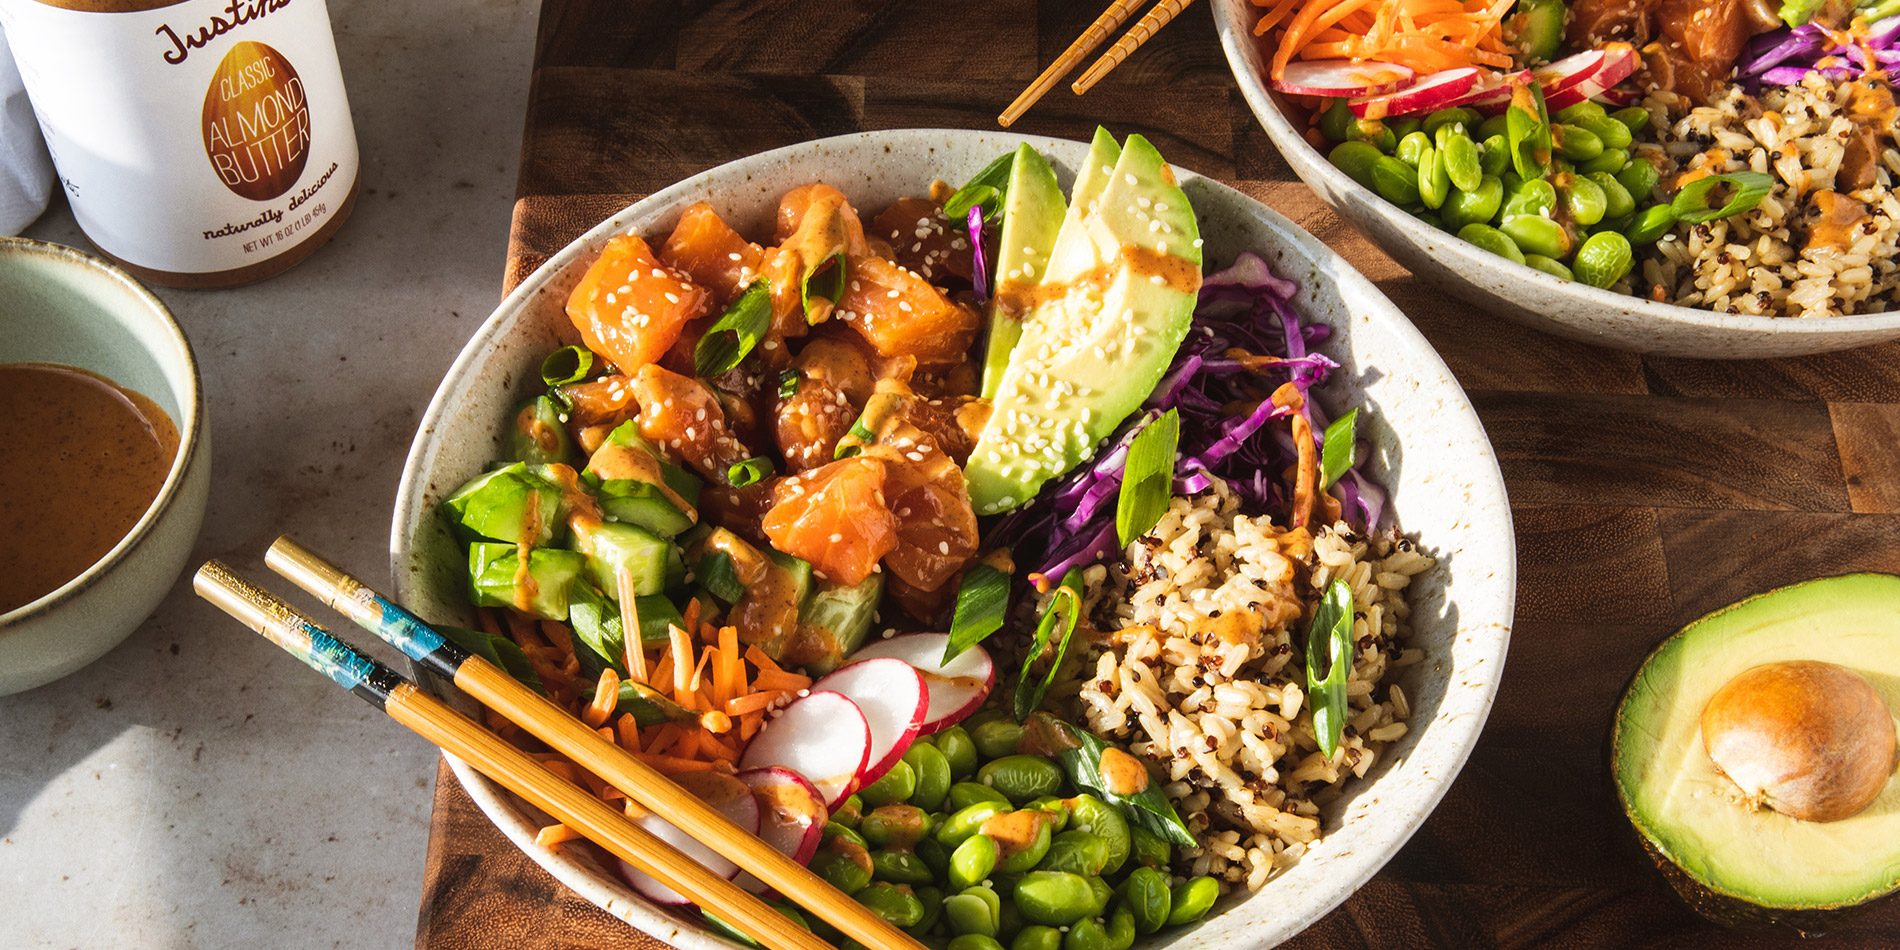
point(749, 724)
point(662, 671)
point(629, 732)
point(682, 660)
point(606, 697)
point(751, 702)
point(673, 765)
point(486, 620)
point(760, 660)
point(715, 721)
point(630, 628)
point(735, 667)
point(693, 681)
point(612, 794)
point(552, 835)
point(563, 769)
point(1426, 36)
point(605, 732)
point(690, 618)
point(789, 682)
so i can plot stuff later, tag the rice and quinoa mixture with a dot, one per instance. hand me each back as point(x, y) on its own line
point(1823, 242)
point(1205, 677)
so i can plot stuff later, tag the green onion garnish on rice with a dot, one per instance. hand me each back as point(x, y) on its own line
point(1332, 625)
point(1692, 202)
point(1065, 607)
point(1336, 448)
point(569, 364)
point(749, 472)
point(981, 601)
point(1147, 477)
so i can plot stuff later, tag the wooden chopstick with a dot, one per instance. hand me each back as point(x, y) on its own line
point(568, 735)
point(1116, 14)
point(494, 757)
point(1130, 41)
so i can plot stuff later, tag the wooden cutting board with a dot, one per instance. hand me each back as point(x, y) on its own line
point(1647, 491)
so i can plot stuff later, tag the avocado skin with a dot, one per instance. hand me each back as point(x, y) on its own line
point(1726, 905)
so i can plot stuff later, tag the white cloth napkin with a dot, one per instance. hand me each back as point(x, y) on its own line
point(26, 170)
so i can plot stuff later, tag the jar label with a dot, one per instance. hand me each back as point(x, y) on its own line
point(199, 137)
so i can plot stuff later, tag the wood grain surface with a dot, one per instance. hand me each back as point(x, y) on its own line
point(1647, 491)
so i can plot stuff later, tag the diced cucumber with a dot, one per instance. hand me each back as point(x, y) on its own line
point(596, 622)
point(801, 574)
point(846, 613)
point(540, 436)
point(509, 504)
point(612, 545)
point(635, 483)
point(641, 503)
point(718, 577)
point(493, 567)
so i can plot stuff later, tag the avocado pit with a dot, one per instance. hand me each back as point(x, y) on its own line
point(1811, 740)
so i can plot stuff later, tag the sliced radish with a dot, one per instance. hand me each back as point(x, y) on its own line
point(726, 793)
point(1342, 79)
point(1570, 71)
point(823, 737)
point(1492, 95)
point(1617, 97)
point(956, 688)
point(894, 699)
point(792, 816)
point(1426, 95)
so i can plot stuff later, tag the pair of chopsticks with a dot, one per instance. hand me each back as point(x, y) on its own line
point(1117, 13)
point(516, 771)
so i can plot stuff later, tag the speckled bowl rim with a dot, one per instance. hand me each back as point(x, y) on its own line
point(1483, 640)
point(189, 435)
point(1236, 37)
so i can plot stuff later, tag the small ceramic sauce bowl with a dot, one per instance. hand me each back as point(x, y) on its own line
point(58, 305)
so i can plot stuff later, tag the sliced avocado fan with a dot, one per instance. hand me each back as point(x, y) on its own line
point(1032, 216)
point(1098, 330)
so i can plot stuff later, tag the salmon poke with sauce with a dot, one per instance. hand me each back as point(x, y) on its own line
point(1733, 155)
point(982, 553)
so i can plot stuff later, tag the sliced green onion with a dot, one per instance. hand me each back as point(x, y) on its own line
point(569, 364)
point(981, 601)
point(1079, 752)
point(749, 472)
point(1331, 632)
point(854, 441)
point(1335, 454)
point(1528, 133)
point(988, 188)
point(823, 281)
point(788, 383)
point(718, 576)
point(1692, 202)
point(1147, 477)
point(739, 329)
point(1065, 607)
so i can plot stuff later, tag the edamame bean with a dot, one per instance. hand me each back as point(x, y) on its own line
point(1456, 115)
point(1491, 239)
point(964, 794)
point(1651, 224)
point(1619, 224)
point(1037, 937)
point(933, 775)
point(894, 826)
point(1634, 118)
point(973, 942)
point(1548, 266)
point(893, 902)
point(1077, 852)
point(1149, 850)
point(1053, 898)
point(1086, 934)
point(1617, 201)
point(1146, 894)
point(892, 787)
point(1373, 133)
point(935, 856)
point(1603, 259)
point(1584, 201)
point(1535, 196)
point(1432, 180)
point(1121, 929)
point(1022, 840)
point(1021, 777)
point(1102, 892)
point(1576, 143)
point(1191, 900)
point(998, 738)
point(843, 865)
point(1639, 178)
point(1428, 216)
point(849, 813)
point(1395, 181)
point(972, 861)
point(1460, 156)
point(1610, 162)
point(1336, 121)
point(1572, 113)
point(968, 821)
point(1412, 147)
point(900, 867)
point(835, 830)
point(1403, 125)
point(932, 899)
point(1535, 234)
point(1611, 133)
point(1494, 155)
point(1057, 809)
point(1493, 126)
point(974, 910)
point(959, 751)
point(1106, 822)
point(1477, 206)
point(1009, 920)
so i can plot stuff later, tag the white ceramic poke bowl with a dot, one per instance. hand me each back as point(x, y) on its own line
point(1559, 307)
point(1430, 449)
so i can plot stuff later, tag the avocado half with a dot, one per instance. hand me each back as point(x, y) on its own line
point(1732, 861)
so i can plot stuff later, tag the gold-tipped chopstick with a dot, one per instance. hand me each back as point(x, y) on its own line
point(1116, 14)
point(571, 737)
point(1138, 34)
point(496, 758)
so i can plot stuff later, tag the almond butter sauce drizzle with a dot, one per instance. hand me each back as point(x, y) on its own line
point(83, 460)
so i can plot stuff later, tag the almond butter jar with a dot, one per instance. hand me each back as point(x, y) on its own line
point(201, 143)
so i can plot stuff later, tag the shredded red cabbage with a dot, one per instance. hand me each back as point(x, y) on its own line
point(1785, 57)
point(1246, 340)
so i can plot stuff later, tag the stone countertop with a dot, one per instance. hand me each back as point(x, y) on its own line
point(197, 787)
